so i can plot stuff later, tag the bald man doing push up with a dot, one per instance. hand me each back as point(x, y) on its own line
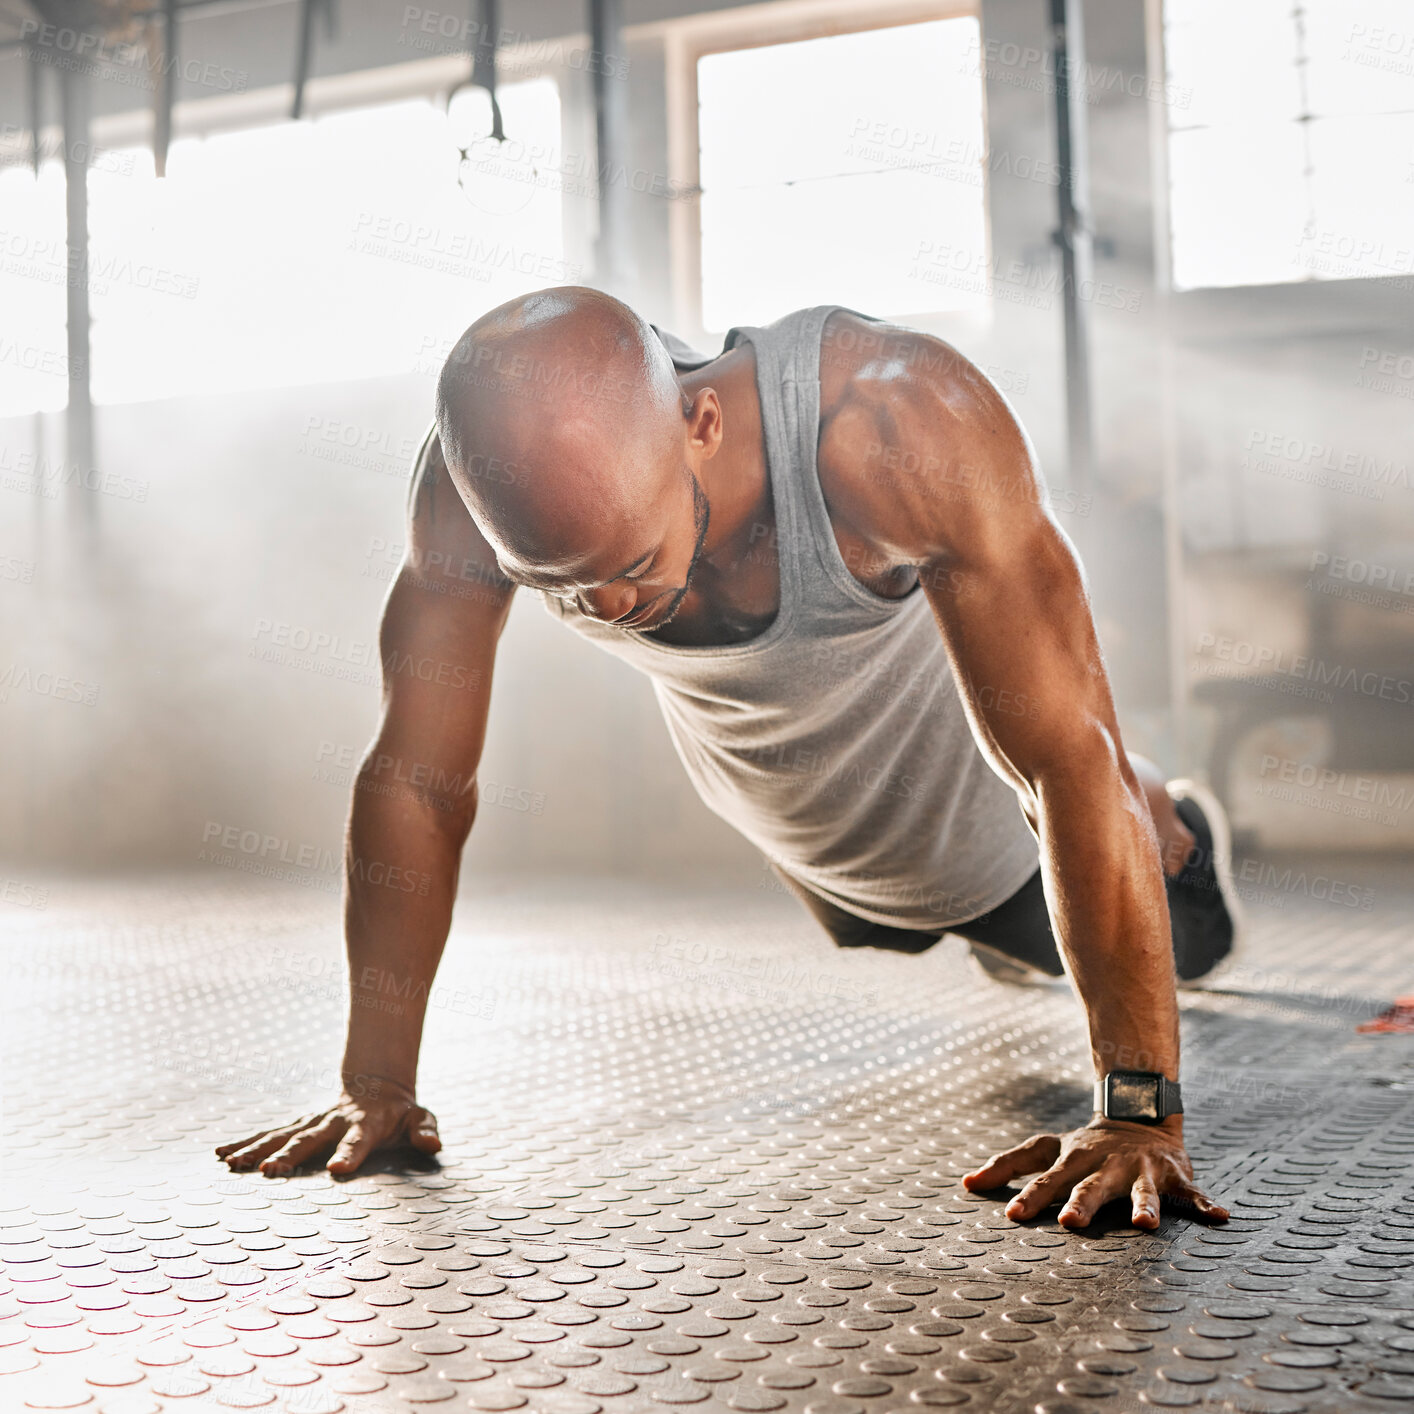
point(829, 548)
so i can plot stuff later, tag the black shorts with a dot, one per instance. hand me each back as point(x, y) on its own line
point(1020, 927)
point(1199, 923)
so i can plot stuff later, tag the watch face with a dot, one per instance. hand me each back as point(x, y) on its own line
point(1133, 1096)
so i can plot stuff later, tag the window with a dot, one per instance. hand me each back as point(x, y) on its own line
point(843, 169)
point(1290, 140)
point(307, 252)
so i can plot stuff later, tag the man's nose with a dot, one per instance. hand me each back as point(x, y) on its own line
point(609, 602)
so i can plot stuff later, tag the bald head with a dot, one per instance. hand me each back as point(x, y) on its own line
point(558, 407)
point(577, 452)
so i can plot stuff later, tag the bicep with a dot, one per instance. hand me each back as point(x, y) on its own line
point(440, 627)
point(929, 461)
point(1016, 621)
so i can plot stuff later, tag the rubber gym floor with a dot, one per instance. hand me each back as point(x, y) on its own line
point(694, 1156)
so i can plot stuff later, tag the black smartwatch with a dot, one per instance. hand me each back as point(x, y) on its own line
point(1141, 1095)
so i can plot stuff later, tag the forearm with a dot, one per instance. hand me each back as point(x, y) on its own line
point(402, 857)
point(1105, 887)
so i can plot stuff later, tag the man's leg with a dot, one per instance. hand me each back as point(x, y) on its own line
point(1016, 942)
point(1176, 839)
point(1013, 942)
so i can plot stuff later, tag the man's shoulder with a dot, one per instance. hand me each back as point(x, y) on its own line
point(860, 353)
point(911, 430)
point(883, 383)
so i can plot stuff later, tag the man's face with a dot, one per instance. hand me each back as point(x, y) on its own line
point(641, 574)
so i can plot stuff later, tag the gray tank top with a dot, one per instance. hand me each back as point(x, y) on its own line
point(834, 740)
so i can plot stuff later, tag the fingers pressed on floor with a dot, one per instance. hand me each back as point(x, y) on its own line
point(1186, 1194)
point(1038, 1152)
point(259, 1144)
point(1041, 1192)
point(223, 1149)
point(353, 1149)
point(426, 1138)
point(1144, 1201)
point(259, 1148)
point(1089, 1196)
point(308, 1142)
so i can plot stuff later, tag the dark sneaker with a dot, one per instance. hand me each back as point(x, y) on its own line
point(1203, 906)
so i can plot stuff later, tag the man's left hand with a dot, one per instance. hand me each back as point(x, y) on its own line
point(1107, 1159)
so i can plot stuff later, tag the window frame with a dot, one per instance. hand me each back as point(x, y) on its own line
point(1272, 302)
point(688, 40)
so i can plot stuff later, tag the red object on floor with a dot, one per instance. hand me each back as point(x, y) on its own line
point(1399, 1017)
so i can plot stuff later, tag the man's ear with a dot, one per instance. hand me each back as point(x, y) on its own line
point(704, 421)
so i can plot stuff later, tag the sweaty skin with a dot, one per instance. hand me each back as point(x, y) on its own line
point(573, 458)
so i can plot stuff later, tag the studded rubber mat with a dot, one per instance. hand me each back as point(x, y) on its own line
point(694, 1155)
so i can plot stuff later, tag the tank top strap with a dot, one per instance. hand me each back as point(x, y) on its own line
point(788, 378)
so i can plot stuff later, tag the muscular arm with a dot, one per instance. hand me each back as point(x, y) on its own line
point(947, 483)
point(414, 799)
point(414, 802)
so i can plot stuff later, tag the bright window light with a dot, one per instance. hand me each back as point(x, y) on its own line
point(1289, 156)
point(845, 169)
point(33, 360)
point(307, 252)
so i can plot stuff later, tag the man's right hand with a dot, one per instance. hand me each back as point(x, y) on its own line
point(357, 1124)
